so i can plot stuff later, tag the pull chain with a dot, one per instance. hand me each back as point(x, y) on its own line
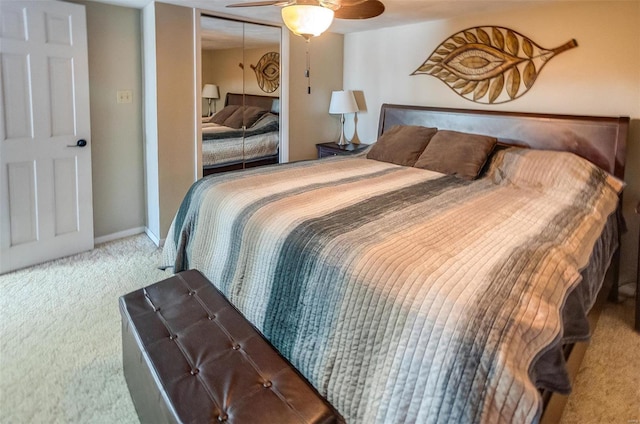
point(306, 72)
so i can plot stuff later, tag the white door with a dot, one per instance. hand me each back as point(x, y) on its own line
point(46, 209)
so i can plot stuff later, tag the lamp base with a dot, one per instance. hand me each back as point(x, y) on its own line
point(343, 140)
point(355, 139)
point(209, 113)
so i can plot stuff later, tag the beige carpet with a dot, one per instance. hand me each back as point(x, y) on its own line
point(607, 387)
point(60, 348)
point(60, 355)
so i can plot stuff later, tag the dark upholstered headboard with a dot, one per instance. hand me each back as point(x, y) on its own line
point(601, 140)
point(266, 102)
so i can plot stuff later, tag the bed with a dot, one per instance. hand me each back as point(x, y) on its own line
point(409, 295)
point(243, 140)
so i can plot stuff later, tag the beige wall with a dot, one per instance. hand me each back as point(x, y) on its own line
point(116, 129)
point(176, 107)
point(170, 112)
point(600, 77)
point(220, 67)
point(309, 119)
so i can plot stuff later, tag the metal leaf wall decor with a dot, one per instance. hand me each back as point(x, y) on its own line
point(268, 72)
point(489, 64)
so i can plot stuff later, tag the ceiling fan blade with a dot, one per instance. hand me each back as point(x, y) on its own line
point(365, 10)
point(260, 3)
point(350, 3)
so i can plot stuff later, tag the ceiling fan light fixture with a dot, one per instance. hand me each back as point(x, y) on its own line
point(307, 20)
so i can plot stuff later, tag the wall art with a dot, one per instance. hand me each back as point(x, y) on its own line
point(268, 72)
point(489, 64)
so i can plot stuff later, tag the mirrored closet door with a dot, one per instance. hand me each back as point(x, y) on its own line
point(240, 94)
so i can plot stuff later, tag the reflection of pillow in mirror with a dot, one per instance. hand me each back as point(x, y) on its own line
point(252, 114)
point(401, 144)
point(266, 119)
point(457, 153)
point(246, 116)
point(225, 113)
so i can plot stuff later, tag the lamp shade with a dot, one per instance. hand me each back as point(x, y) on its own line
point(210, 91)
point(343, 102)
point(307, 20)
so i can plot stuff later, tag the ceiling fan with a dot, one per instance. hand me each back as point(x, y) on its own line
point(312, 17)
point(343, 9)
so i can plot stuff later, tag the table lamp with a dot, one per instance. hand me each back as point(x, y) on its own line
point(343, 102)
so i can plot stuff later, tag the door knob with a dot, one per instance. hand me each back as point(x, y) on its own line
point(80, 143)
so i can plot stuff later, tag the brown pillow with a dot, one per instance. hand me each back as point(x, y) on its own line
point(226, 112)
point(247, 116)
point(401, 144)
point(457, 153)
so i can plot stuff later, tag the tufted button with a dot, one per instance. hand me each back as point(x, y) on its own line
point(191, 292)
point(266, 384)
point(236, 347)
point(156, 309)
point(195, 371)
point(211, 317)
point(223, 417)
point(173, 336)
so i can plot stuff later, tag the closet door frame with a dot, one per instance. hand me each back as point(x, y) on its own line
point(284, 85)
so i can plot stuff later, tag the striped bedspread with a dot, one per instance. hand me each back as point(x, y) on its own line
point(222, 144)
point(403, 295)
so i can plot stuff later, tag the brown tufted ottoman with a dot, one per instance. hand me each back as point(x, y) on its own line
point(190, 356)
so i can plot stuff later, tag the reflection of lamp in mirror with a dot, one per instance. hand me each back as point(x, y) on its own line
point(275, 106)
point(343, 102)
point(210, 92)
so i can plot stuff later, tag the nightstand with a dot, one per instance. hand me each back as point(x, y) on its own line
point(333, 149)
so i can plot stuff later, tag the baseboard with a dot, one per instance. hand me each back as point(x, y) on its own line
point(157, 241)
point(119, 235)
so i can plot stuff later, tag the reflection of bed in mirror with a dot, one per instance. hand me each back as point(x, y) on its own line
point(244, 134)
